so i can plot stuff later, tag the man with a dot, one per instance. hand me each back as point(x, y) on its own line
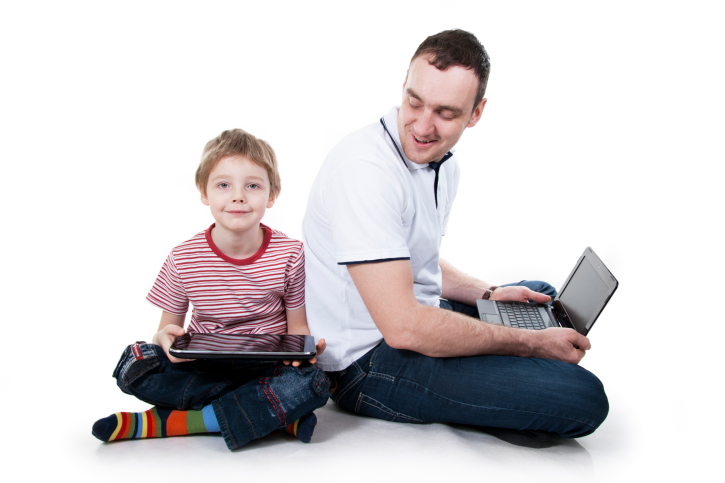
point(403, 343)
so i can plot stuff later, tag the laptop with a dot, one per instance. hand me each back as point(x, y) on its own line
point(581, 299)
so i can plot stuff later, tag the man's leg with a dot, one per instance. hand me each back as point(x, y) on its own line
point(488, 391)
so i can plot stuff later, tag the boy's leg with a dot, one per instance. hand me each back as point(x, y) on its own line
point(282, 396)
point(182, 393)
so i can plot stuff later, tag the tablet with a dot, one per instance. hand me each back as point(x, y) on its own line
point(268, 347)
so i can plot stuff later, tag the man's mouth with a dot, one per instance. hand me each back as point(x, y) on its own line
point(422, 141)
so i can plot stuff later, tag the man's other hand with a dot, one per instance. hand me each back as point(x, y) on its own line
point(519, 294)
point(561, 344)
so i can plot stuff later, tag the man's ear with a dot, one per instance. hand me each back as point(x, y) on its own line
point(405, 81)
point(270, 203)
point(477, 112)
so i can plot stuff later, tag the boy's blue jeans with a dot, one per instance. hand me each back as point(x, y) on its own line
point(518, 393)
point(250, 399)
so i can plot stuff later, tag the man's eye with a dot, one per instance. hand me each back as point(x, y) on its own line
point(415, 103)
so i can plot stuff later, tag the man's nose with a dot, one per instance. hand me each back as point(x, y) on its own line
point(424, 125)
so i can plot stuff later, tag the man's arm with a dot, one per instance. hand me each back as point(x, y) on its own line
point(463, 288)
point(387, 290)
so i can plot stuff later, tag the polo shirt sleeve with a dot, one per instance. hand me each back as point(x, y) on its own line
point(294, 293)
point(168, 292)
point(365, 204)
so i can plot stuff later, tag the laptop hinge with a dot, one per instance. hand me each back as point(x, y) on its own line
point(562, 316)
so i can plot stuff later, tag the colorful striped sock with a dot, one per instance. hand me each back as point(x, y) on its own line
point(303, 428)
point(155, 423)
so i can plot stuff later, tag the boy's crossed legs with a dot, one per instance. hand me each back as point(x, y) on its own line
point(241, 399)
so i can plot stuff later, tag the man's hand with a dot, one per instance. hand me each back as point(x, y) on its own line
point(320, 348)
point(559, 343)
point(519, 294)
point(165, 337)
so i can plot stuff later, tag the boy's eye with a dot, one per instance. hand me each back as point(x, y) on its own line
point(223, 185)
point(254, 186)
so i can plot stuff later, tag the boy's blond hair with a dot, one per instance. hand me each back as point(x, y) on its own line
point(238, 142)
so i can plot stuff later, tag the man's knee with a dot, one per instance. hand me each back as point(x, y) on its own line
point(593, 404)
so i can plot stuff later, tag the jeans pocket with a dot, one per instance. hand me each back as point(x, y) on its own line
point(367, 406)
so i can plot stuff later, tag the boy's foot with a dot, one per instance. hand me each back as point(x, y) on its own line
point(303, 428)
point(155, 423)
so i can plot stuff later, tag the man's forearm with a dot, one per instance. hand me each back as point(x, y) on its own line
point(443, 333)
point(459, 286)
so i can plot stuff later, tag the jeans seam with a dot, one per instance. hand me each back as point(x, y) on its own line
point(380, 375)
point(183, 395)
point(498, 408)
point(226, 424)
point(264, 390)
point(245, 417)
point(382, 407)
point(361, 375)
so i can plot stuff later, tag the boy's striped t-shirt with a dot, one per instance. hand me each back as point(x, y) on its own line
point(231, 296)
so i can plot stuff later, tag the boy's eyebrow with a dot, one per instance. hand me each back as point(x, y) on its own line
point(223, 175)
point(455, 110)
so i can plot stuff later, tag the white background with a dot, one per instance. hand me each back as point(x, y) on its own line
point(608, 115)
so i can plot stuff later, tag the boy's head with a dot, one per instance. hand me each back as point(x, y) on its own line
point(238, 143)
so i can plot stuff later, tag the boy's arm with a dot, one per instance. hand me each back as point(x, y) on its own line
point(297, 324)
point(170, 327)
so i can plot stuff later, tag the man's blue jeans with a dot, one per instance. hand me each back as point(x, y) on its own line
point(488, 391)
point(250, 399)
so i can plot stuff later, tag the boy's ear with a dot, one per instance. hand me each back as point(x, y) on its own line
point(270, 203)
point(204, 199)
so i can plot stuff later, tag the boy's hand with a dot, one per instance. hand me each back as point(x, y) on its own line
point(320, 348)
point(165, 337)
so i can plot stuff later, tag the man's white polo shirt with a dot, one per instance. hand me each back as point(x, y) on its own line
point(370, 203)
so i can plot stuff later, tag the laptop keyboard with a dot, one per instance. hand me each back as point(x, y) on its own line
point(522, 316)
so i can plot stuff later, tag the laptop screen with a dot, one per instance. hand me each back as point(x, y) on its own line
point(587, 291)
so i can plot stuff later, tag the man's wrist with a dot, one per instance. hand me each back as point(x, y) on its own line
point(487, 294)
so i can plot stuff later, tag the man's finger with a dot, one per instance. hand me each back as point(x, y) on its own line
point(582, 342)
point(539, 297)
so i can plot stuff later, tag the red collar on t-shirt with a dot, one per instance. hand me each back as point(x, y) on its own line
point(243, 261)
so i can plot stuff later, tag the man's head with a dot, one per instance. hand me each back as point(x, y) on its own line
point(238, 143)
point(442, 94)
point(457, 47)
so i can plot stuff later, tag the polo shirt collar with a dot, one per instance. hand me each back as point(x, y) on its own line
point(391, 123)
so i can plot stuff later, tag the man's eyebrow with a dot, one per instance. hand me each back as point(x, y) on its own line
point(455, 110)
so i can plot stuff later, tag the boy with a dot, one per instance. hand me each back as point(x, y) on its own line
point(241, 277)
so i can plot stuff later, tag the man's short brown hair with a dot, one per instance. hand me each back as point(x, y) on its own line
point(457, 47)
point(238, 142)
